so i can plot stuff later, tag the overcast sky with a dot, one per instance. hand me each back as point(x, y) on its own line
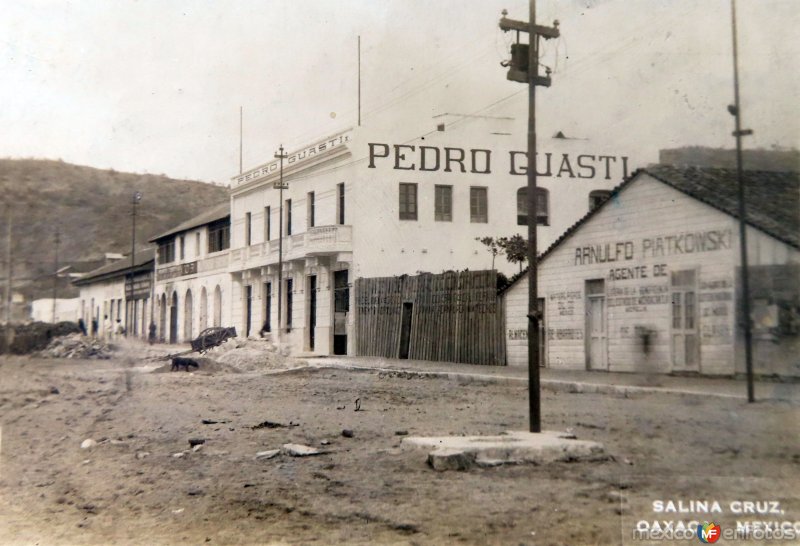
point(156, 85)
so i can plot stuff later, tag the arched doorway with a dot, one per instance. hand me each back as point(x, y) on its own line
point(187, 317)
point(173, 319)
point(217, 306)
point(162, 318)
point(203, 309)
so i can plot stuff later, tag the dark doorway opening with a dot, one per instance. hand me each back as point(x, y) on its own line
point(268, 307)
point(341, 306)
point(173, 319)
point(248, 317)
point(405, 329)
point(312, 310)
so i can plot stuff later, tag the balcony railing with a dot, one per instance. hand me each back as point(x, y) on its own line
point(317, 241)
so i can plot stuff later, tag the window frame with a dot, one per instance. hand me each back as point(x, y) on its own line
point(440, 212)
point(406, 203)
point(475, 216)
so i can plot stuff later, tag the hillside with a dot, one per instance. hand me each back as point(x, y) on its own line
point(91, 208)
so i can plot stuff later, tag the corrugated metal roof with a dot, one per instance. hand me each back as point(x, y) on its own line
point(219, 212)
point(118, 268)
point(772, 200)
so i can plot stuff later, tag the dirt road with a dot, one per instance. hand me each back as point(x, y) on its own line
point(131, 488)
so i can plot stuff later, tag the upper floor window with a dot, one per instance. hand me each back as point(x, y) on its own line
point(248, 229)
point(166, 252)
point(340, 203)
point(183, 247)
point(311, 211)
point(408, 201)
point(478, 205)
point(596, 197)
point(267, 224)
point(542, 207)
point(288, 207)
point(219, 236)
point(443, 203)
point(197, 244)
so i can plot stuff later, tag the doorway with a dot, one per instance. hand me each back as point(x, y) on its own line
point(685, 348)
point(341, 307)
point(267, 306)
point(248, 309)
point(596, 331)
point(312, 310)
point(173, 319)
point(405, 330)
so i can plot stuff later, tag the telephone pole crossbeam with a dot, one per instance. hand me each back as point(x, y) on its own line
point(525, 69)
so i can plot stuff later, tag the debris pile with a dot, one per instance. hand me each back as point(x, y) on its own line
point(34, 336)
point(77, 346)
point(251, 355)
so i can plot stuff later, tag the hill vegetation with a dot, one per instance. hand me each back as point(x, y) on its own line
point(91, 210)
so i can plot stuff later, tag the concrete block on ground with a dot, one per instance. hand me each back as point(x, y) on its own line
point(299, 450)
point(514, 447)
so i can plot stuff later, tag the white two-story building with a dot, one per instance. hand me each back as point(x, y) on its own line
point(361, 203)
point(192, 284)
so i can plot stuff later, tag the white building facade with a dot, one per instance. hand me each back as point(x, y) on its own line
point(649, 281)
point(362, 204)
point(118, 291)
point(192, 284)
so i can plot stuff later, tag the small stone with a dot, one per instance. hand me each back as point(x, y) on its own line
point(142, 454)
point(299, 450)
point(178, 455)
point(347, 433)
point(269, 454)
point(88, 443)
point(196, 441)
point(194, 491)
point(197, 448)
point(86, 461)
point(324, 442)
point(615, 496)
point(178, 511)
point(54, 390)
point(401, 433)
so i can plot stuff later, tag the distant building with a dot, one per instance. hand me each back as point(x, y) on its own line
point(192, 282)
point(118, 291)
point(753, 160)
point(65, 310)
point(650, 280)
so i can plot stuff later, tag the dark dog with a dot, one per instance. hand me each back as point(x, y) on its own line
point(178, 361)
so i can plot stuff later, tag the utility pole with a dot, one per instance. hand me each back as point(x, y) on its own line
point(525, 69)
point(736, 111)
point(241, 137)
point(130, 307)
point(359, 80)
point(55, 274)
point(280, 155)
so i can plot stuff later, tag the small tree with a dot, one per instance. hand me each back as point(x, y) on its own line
point(492, 245)
point(515, 248)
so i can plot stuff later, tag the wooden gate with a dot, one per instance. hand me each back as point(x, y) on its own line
point(453, 317)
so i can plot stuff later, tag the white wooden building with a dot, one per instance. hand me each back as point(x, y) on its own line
point(364, 203)
point(107, 292)
point(661, 257)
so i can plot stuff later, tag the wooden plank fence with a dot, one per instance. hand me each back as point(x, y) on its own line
point(455, 317)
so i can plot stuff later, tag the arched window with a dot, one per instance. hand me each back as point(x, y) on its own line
point(596, 198)
point(542, 207)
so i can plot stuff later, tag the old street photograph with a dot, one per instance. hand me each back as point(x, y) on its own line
point(399, 272)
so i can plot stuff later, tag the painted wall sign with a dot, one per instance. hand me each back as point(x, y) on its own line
point(406, 157)
point(298, 156)
point(175, 271)
point(653, 247)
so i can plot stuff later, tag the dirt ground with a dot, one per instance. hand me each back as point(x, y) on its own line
point(130, 488)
